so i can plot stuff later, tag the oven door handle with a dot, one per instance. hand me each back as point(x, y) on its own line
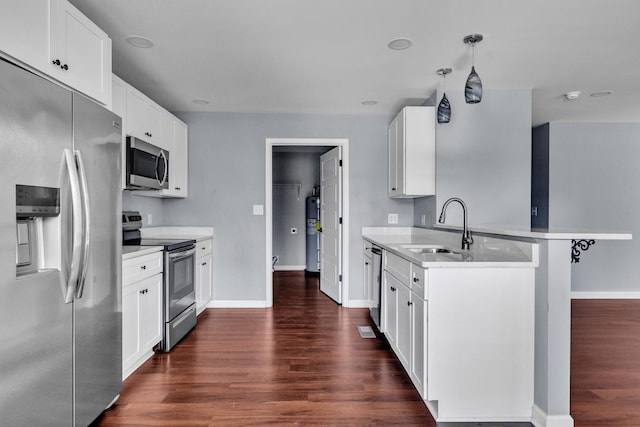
point(183, 254)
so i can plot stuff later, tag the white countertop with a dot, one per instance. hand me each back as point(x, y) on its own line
point(558, 234)
point(197, 233)
point(484, 252)
point(129, 252)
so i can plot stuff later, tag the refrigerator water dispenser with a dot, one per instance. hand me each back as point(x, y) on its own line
point(37, 219)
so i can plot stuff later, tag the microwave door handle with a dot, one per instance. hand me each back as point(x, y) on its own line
point(166, 167)
point(86, 238)
point(76, 212)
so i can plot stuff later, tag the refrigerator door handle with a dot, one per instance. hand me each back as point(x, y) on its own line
point(76, 206)
point(86, 235)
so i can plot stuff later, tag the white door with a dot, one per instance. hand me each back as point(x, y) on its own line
point(331, 224)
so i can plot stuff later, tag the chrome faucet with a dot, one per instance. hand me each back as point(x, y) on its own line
point(466, 235)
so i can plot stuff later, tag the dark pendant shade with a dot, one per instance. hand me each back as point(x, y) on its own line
point(473, 88)
point(444, 110)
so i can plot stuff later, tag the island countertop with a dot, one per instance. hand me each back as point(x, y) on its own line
point(485, 251)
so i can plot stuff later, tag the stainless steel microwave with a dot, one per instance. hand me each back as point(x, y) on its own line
point(147, 165)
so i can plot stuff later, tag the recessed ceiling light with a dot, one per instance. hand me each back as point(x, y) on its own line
point(572, 95)
point(369, 102)
point(200, 102)
point(139, 41)
point(601, 93)
point(400, 44)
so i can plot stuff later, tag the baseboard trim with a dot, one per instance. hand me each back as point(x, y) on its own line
point(605, 295)
point(289, 267)
point(236, 304)
point(357, 303)
point(539, 418)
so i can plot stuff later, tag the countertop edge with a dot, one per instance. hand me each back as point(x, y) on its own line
point(129, 252)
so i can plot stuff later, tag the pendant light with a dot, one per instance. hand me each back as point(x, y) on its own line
point(473, 87)
point(444, 107)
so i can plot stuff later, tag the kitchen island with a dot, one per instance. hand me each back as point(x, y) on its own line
point(461, 322)
point(552, 306)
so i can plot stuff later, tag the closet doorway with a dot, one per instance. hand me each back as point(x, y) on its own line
point(333, 174)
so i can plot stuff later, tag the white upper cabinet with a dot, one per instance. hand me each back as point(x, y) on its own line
point(24, 31)
point(412, 153)
point(80, 52)
point(179, 168)
point(144, 118)
point(55, 38)
point(150, 122)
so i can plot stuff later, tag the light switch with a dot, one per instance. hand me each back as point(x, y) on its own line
point(392, 218)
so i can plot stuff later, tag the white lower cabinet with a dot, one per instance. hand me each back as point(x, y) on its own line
point(418, 356)
point(141, 309)
point(465, 336)
point(203, 274)
point(391, 285)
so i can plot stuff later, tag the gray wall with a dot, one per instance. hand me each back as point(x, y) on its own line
point(226, 177)
point(594, 171)
point(146, 205)
point(289, 208)
point(483, 156)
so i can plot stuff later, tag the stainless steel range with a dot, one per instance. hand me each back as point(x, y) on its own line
point(179, 297)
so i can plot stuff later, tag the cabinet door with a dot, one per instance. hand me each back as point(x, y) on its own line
point(403, 338)
point(144, 117)
point(419, 341)
point(130, 326)
point(178, 152)
point(151, 311)
point(391, 308)
point(203, 280)
point(80, 52)
point(392, 187)
point(24, 31)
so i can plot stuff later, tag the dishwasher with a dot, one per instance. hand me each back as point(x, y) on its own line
point(374, 311)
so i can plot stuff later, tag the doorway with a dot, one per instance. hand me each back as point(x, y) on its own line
point(302, 143)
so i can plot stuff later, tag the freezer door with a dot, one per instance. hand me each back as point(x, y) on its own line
point(35, 323)
point(98, 306)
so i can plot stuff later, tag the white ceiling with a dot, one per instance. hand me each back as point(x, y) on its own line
point(327, 56)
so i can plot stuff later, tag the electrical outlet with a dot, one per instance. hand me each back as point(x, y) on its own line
point(392, 218)
point(294, 230)
point(258, 209)
point(534, 211)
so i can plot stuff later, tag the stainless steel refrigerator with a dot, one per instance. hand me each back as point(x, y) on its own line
point(60, 254)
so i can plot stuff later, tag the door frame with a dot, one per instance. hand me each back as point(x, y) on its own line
point(268, 172)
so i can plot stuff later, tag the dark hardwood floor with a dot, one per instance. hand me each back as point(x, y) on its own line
point(605, 363)
point(303, 362)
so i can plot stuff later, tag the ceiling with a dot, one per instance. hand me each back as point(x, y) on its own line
point(326, 57)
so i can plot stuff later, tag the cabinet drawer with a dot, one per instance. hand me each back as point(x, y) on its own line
point(204, 247)
point(399, 267)
point(139, 268)
point(419, 281)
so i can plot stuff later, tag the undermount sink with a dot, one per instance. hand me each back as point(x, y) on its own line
point(431, 251)
point(428, 249)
